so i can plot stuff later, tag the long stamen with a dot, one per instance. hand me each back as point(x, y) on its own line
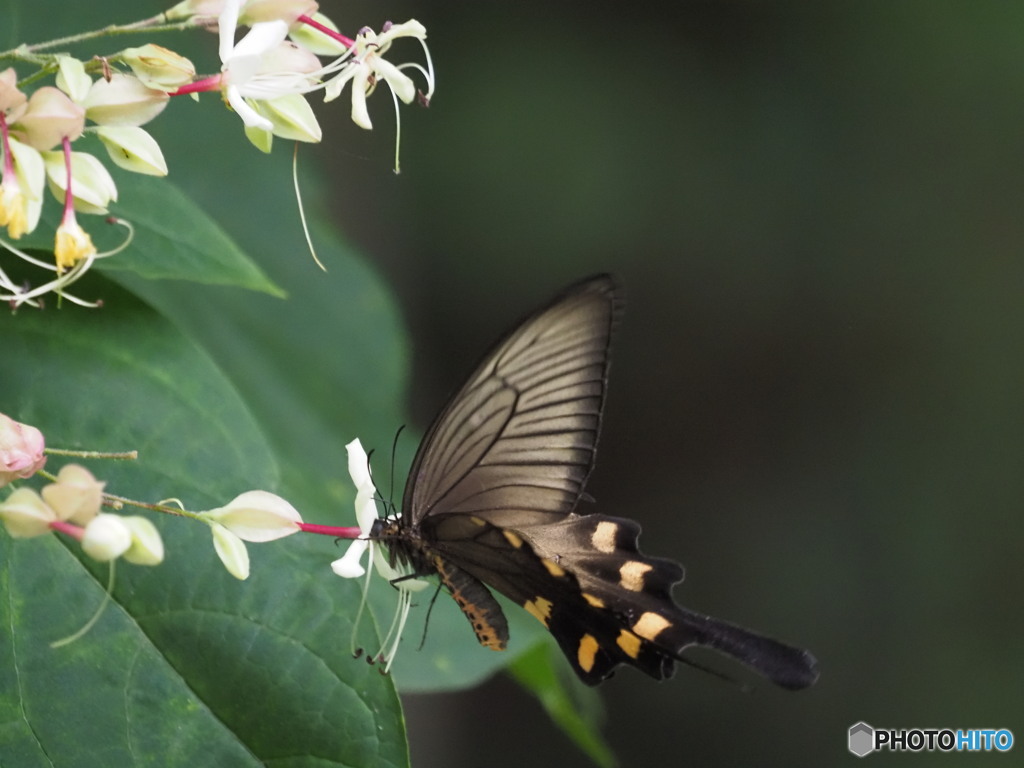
point(401, 616)
point(362, 607)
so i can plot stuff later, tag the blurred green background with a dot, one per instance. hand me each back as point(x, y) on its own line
point(817, 210)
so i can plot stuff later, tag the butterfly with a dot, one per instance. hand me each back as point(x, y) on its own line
point(492, 502)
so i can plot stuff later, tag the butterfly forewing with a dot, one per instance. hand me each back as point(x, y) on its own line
point(520, 434)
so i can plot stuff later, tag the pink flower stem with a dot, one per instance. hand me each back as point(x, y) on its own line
point(69, 198)
point(338, 532)
point(73, 531)
point(8, 160)
point(211, 83)
point(348, 42)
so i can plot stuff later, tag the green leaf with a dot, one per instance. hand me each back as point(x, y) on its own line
point(174, 239)
point(187, 666)
point(177, 240)
point(572, 705)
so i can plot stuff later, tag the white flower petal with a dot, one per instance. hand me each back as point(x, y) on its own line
point(259, 40)
point(385, 570)
point(227, 23)
point(348, 566)
point(400, 83)
point(258, 516)
point(248, 114)
point(359, 466)
point(360, 114)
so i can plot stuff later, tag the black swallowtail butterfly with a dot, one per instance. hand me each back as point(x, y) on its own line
point(492, 502)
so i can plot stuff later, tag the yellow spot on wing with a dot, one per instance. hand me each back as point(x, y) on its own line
point(629, 643)
point(554, 568)
point(650, 625)
point(539, 608)
point(477, 520)
point(587, 650)
point(603, 537)
point(594, 600)
point(513, 539)
point(631, 575)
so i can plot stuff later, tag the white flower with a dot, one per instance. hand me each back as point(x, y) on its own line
point(256, 516)
point(261, 66)
point(368, 66)
point(350, 567)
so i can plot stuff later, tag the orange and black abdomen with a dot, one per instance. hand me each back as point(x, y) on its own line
point(476, 601)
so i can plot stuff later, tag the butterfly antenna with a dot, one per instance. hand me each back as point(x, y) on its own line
point(376, 491)
point(394, 452)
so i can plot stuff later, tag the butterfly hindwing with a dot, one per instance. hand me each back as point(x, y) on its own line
point(593, 637)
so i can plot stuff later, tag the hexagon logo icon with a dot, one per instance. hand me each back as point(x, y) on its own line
point(861, 739)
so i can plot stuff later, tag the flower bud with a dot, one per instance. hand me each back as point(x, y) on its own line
point(133, 149)
point(147, 547)
point(123, 100)
point(315, 41)
point(158, 67)
point(21, 196)
point(206, 11)
point(291, 118)
point(71, 78)
point(26, 515)
point(254, 11)
point(231, 551)
point(92, 185)
point(257, 516)
point(106, 537)
point(49, 116)
point(76, 496)
point(21, 450)
point(12, 101)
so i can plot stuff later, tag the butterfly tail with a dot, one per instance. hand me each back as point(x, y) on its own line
point(784, 665)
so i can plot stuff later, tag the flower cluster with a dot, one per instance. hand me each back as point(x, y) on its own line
point(72, 505)
point(265, 76)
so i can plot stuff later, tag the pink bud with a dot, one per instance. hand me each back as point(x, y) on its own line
point(21, 450)
point(11, 99)
point(49, 117)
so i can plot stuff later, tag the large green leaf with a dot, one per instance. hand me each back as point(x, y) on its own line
point(173, 238)
point(188, 664)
